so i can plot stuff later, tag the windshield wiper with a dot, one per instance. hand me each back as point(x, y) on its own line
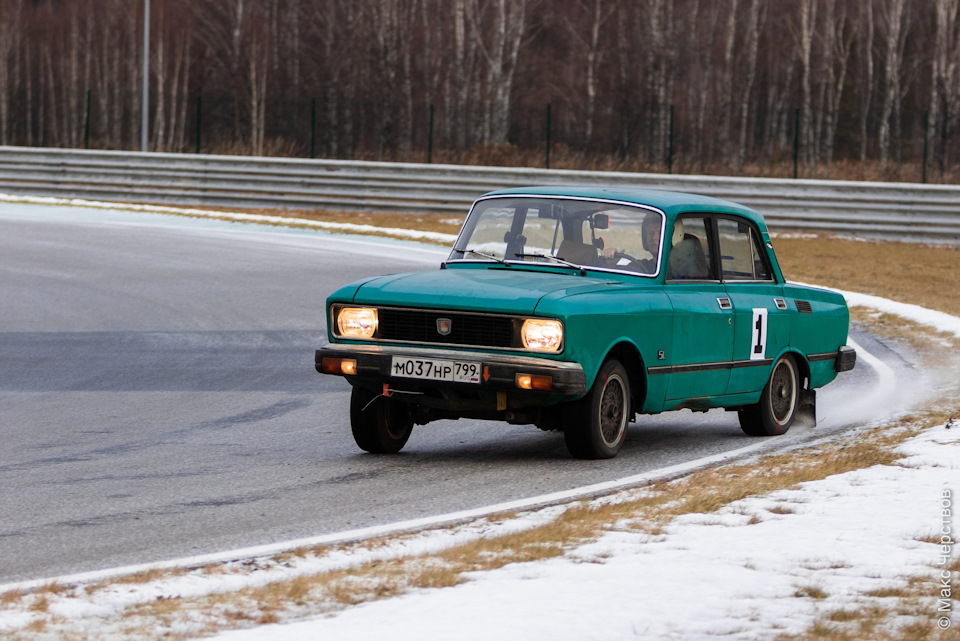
point(485, 255)
point(567, 263)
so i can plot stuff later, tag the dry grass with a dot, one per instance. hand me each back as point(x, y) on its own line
point(911, 617)
point(923, 275)
point(781, 509)
point(9, 598)
point(811, 592)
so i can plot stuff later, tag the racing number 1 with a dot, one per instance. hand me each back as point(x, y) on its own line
point(758, 339)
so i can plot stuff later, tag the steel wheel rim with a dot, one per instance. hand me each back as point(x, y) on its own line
point(612, 411)
point(783, 392)
point(395, 430)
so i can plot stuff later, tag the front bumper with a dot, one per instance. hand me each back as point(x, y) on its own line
point(500, 371)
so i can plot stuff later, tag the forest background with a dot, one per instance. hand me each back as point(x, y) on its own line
point(857, 89)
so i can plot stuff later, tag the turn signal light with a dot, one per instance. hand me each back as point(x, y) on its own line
point(535, 382)
point(345, 366)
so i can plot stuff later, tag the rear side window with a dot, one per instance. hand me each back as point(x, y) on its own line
point(690, 251)
point(741, 255)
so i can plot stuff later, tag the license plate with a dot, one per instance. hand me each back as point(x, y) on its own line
point(436, 370)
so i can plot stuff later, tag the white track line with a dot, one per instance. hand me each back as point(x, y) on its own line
point(386, 530)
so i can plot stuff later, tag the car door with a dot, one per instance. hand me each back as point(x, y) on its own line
point(703, 328)
point(760, 317)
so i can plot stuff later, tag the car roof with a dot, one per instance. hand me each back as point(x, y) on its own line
point(670, 203)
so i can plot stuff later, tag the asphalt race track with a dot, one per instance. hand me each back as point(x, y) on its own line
point(158, 398)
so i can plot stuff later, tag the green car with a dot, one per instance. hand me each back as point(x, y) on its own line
point(575, 309)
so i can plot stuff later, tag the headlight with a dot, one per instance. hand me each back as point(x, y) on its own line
point(357, 322)
point(543, 335)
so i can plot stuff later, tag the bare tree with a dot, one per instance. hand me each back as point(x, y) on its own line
point(10, 41)
point(661, 58)
point(866, 81)
point(840, 35)
point(755, 18)
point(945, 77)
point(500, 34)
point(725, 107)
point(171, 70)
point(586, 35)
point(807, 24)
point(895, 17)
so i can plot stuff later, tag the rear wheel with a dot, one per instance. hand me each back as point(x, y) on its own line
point(380, 424)
point(596, 425)
point(777, 409)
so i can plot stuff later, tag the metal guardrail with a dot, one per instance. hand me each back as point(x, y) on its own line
point(892, 210)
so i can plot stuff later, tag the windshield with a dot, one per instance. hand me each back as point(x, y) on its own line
point(558, 231)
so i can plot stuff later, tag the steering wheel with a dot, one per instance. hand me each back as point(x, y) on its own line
point(618, 256)
point(646, 264)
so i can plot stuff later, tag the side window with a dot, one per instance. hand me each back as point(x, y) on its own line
point(690, 250)
point(741, 254)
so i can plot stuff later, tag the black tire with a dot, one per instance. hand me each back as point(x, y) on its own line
point(779, 402)
point(380, 425)
point(596, 425)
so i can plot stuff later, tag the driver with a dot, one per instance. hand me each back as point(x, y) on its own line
point(650, 236)
point(650, 233)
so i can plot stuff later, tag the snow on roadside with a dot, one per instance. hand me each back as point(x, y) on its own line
point(757, 568)
point(238, 217)
point(937, 320)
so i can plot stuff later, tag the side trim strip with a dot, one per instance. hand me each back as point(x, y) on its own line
point(828, 356)
point(706, 367)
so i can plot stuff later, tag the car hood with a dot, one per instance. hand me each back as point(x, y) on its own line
point(505, 290)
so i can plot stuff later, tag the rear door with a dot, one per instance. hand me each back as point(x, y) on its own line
point(760, 316)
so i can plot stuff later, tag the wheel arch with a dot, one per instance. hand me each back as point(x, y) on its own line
point(631, 359)
point(803, 366)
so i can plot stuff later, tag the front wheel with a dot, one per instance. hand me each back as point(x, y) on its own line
point(777, 409)
point(380, 425)
point(596, 425)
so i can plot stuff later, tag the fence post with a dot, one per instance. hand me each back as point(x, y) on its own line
point(549, 107)
point(670, 144)
point(313, 127)
point(199, 113)
point(86, 125)
point(430, 137)
point(926, 125)
point(796, 140)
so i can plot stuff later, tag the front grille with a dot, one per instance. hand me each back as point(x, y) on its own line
point(420, 326)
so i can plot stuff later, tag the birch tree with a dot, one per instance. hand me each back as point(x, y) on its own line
point(895, 18)
point(499, 36)
point(10, 41)
point(755, 18)
point(591, 48)
point(661, 56)
point(171, 67)
point(725, 108)
point(945, 83)
point(807, 24)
